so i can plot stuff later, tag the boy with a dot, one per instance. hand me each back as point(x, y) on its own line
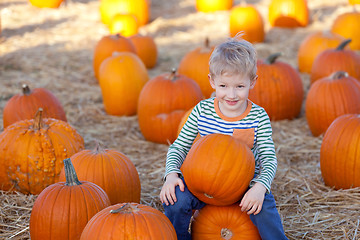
point(232, 75)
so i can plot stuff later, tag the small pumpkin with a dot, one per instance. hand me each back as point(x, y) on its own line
point(124, 24)
point(163, 102)
point(213, 5)
point(46, 3)
point(223, 222)
point(32, 153)
point(348, 25)
point(339, 59)
point(24, 106)
point(248, 19)
point(106, 46)
point(198, 57)
point(62, 210)
point(339, 155)
point(288, 13)
point(129, 220)
point(329, 98)
point(313, 45)
point(109, 169)
point(146, 49)
point(121, 78)
point(218, 169)
point(279, 89)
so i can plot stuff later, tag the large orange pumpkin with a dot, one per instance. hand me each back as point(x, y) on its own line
point(129, 221)
point(62, 210)
point(146, 49)
point(24, 106)
point(163, 102)
point(107, 46)
point(288, 13)
point(32, 153)
point(213, 5)
point(279, 89)
point(314, 44)
point(46, 3)
point(109, 169)
point(339, 154)
point(140, 8)
point(218, 169)
point(121, 78)
point(223, 222)
point(332, 60)
point(348, 25)
point(198, 57)
point(247, 18)
point(329, 98)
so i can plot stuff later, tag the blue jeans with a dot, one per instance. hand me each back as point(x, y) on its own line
point(268, 221)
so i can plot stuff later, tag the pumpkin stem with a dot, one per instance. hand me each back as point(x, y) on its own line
point(338, 75)
point(126, 208)
point(226, 233)
point(172, 76)
point(98, 148)
point(208, 196)
point(272, 58)
point(26, 89)
point(343, 44)
point(207, 42)
point(38, 123)
point(70, 174)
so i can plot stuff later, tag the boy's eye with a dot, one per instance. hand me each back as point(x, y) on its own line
point(240, 86)
point(221, 85)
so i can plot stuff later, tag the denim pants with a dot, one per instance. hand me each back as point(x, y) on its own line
point(268, 221)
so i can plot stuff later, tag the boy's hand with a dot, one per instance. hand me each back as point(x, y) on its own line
point(167, 193)
point(253, 199)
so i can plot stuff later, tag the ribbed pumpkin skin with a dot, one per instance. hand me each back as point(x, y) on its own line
point(314, 44)
point(279, 90)
point(213, 5)
point(106, 46)
point(223, 222)
point(332, 60)
point(140, 8)
point(46, 3)
point(163, 102)
point(146, 49)
point(289, 13)
point(248, 19)
point(340, 155)
point(134, 221)
point(32, 159)
point(24, 106)
point(109, 169)
point(348, 25)
point(198, 57)
point(121, 79)
point(329, 98)
point(218, 169)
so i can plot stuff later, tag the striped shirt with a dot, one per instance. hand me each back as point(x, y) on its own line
point(253, 126)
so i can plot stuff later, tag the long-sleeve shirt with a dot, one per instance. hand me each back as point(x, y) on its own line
point(253, 127)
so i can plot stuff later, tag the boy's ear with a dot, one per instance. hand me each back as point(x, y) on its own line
point(252, 82)
point(212, 83)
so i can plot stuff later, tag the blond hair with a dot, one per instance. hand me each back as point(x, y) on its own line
point(235, 56)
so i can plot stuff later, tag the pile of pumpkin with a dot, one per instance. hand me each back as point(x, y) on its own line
point(36, 138)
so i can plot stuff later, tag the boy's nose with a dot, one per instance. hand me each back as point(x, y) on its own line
point(231, 93)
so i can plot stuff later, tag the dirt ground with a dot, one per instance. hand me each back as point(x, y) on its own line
point(53, 48)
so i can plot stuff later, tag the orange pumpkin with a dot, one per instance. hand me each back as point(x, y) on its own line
point(288, 13)
point(348, 25)
point(109, 169)
point(338, 59)
point(223, 222)
point(129, 221)
point(198, 57)
point(62, 210)
point(279, 89)
point(46, 3)
point(247, 18)
point(339, 154)
point(107, 46)
point(121, 78)
point(329, 98)
point(163, 102)
point(124, 24)
point(146, 49)
point(213, 5)
point(24, 106)
point(32, 153)
point(314, 44)
point(218, 169)
point(140, 8)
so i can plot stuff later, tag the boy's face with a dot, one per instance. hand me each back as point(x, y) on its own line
point(232, 91)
